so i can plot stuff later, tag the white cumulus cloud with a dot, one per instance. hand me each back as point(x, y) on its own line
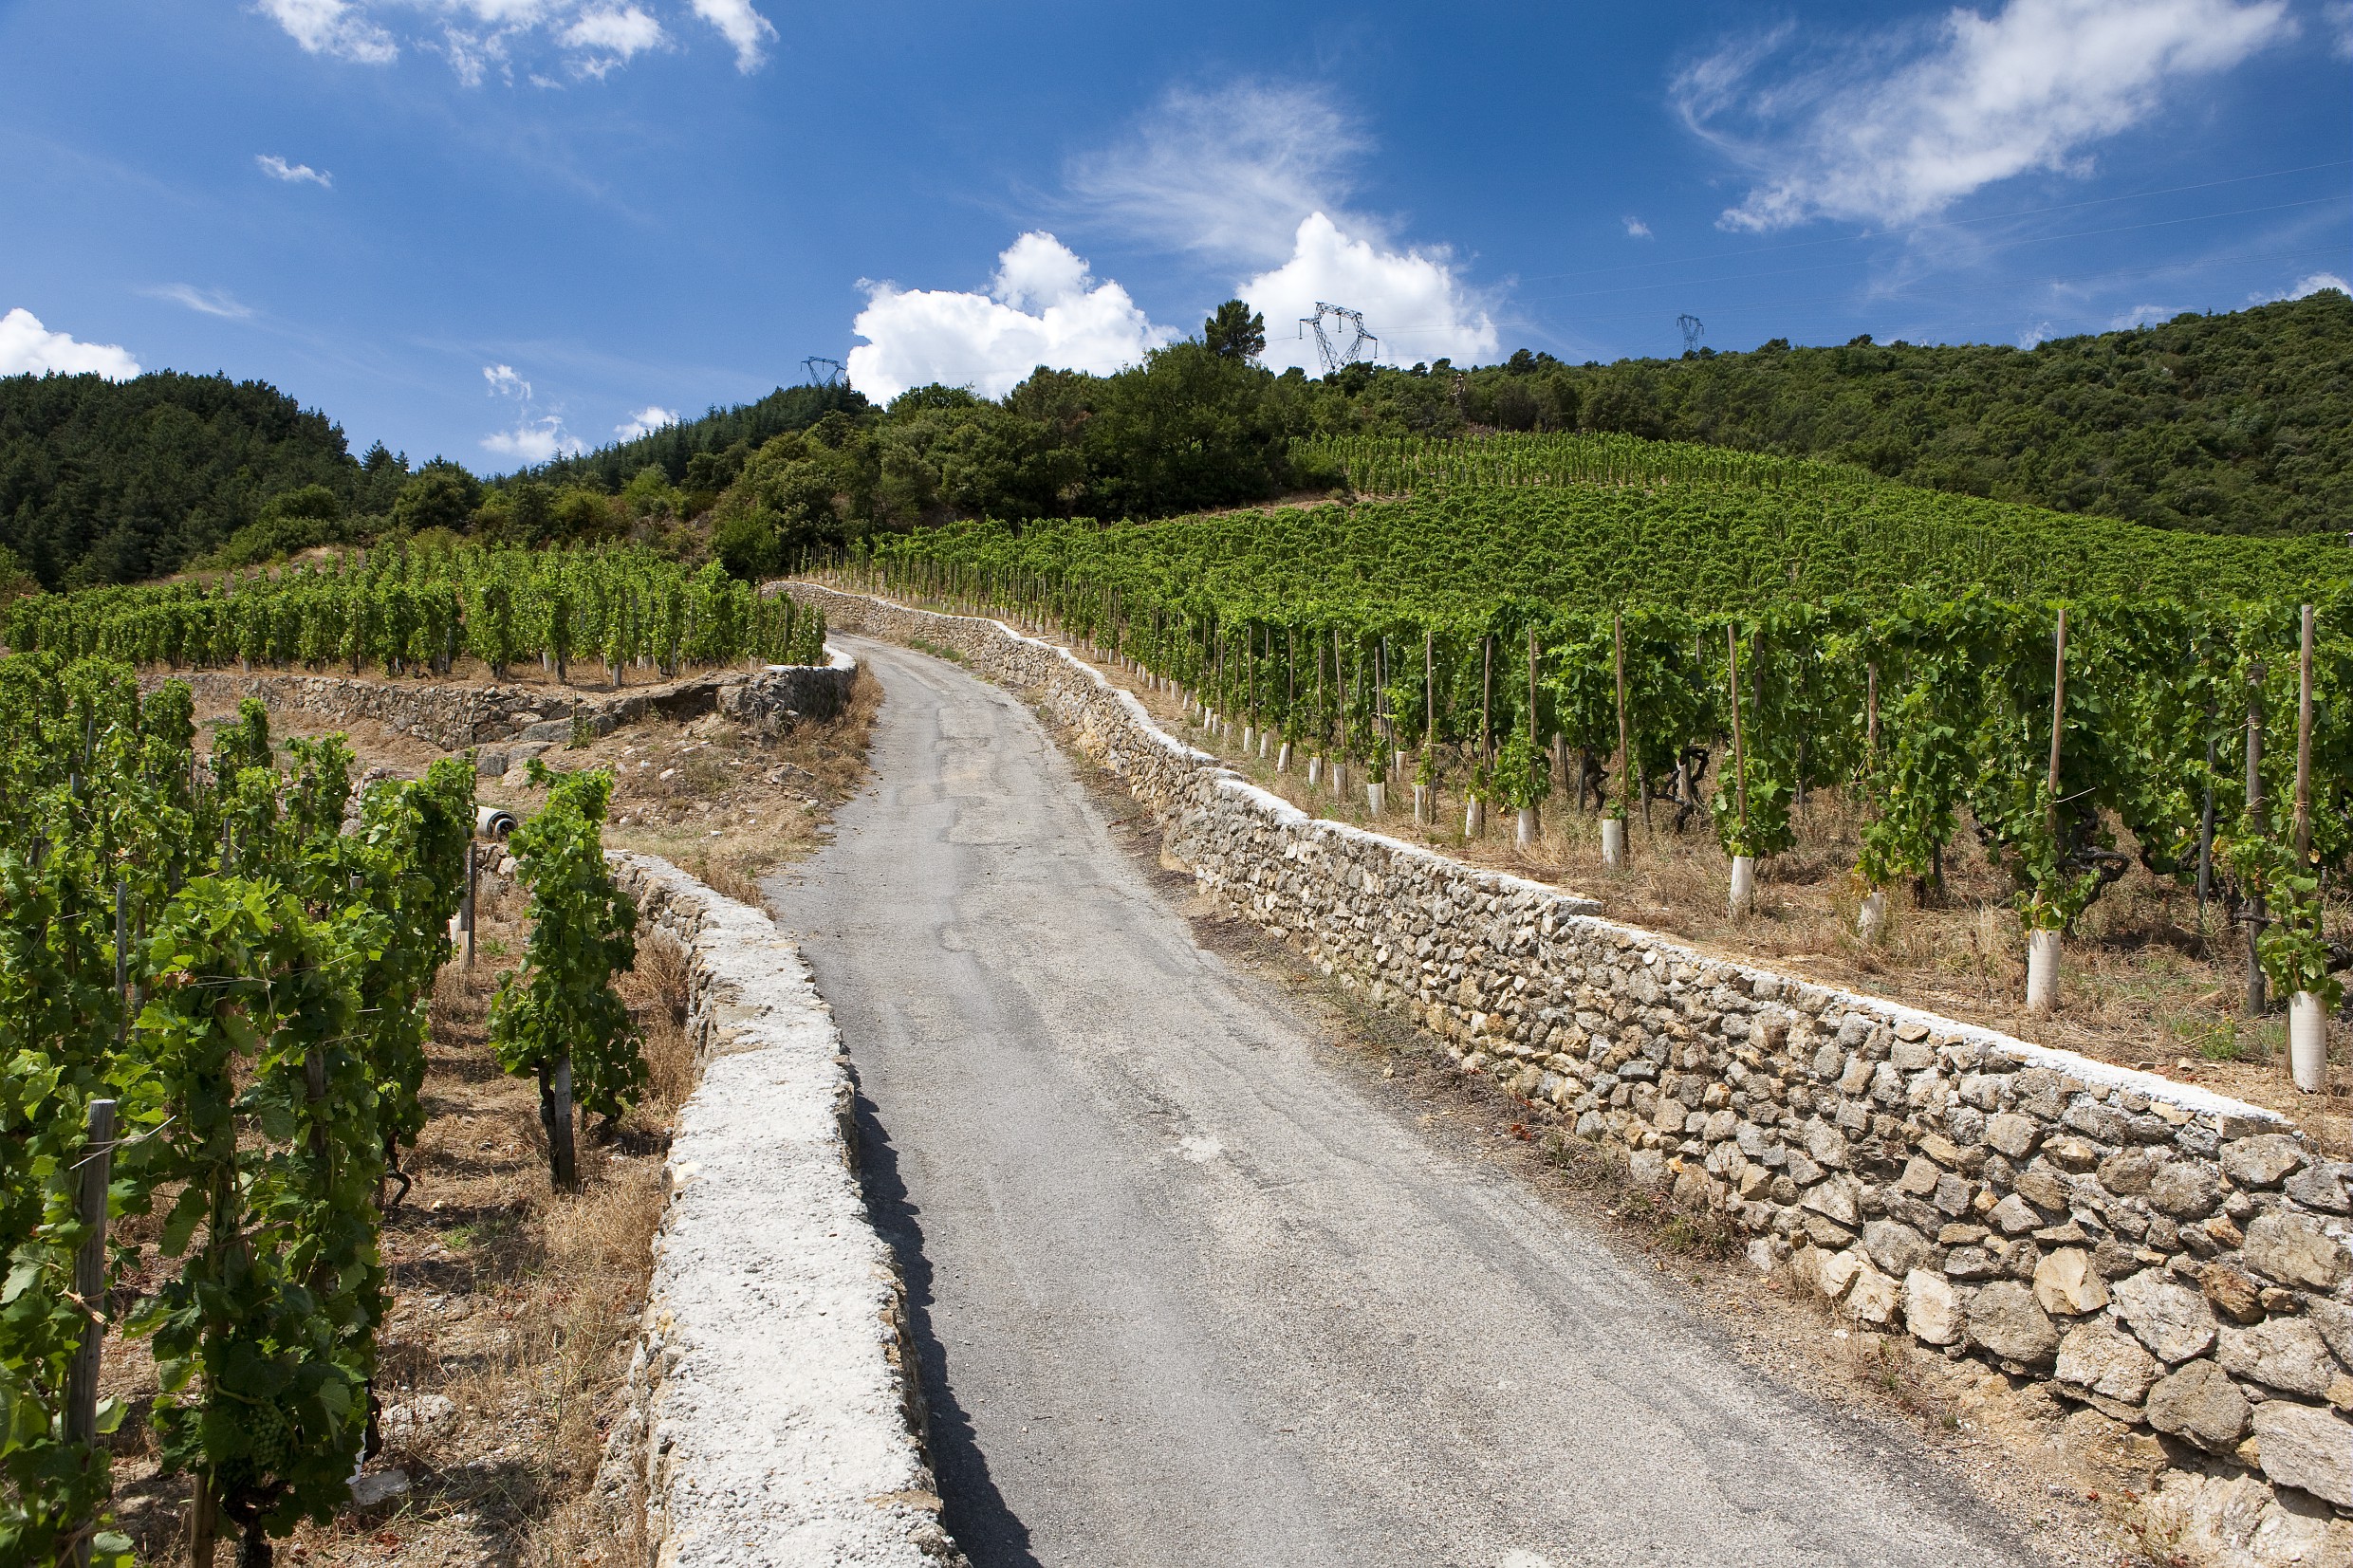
point(1895, 126)
point(1043, 308)
point(482, 37)
point(1637, 229)
point(1257, 176)
point(2310, 284)
point(536, 437)
point(335, 27)
point(648, 419)
point(210, 301)
point(293, 174)
point(27, 348)
point(1412, 301)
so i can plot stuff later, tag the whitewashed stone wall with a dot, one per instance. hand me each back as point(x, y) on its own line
point(775, 1414)
point(2175, 1258)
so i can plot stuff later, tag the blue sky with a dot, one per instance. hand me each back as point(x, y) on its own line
point(496, 228)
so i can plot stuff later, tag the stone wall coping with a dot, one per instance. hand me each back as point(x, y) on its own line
point(771, 1419)
point(2089, 1070)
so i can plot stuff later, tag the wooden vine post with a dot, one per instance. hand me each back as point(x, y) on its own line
point(2304, 744)
point(1614, 855)
point(1740, 752)
point(89, 1277)
point(1426, 805)
point(1743, 896)
point(2251, 907)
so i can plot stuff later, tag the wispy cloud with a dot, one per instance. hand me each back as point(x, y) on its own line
point(536, 437)
point(1896, 126)
point(27, 348)
point(210, 301)
point(482, 38)
point(1229, 172)
point(1637, 229)
point(1258, 176)
point(293, 174)
point(747, 30)
point(609, 38)
point(648, 419)
point(333, 28)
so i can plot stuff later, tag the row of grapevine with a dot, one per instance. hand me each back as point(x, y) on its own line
point(234, 957)
point(1384, 465)
point(416, 611)
point(211, 949)
point(1505, 657)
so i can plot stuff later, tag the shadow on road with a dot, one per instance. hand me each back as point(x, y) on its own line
point(975, 1512)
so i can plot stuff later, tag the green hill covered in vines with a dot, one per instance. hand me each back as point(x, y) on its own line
point(2237, 422)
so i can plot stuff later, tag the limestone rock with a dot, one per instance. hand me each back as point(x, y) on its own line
point(2232, 1292)
point(1834, 1199)
point(2322, 1189)
point(2293, 1249)
point(2264, 1161)
point(2238, 1521)
point(418, 1420)
point(2169, 1318)
point(2014, 1216)
point(2200, 1405)
point(2005, 1319)
point(2013, 1135)
point(1931, 1307)
point(2335, 1321)
point(2129, 1175)
point(2095, 1359)
point(2065, 1283)
point(2042, 1190)
point(1872, 1296)
point(2306, 1447)
point(1896, 1248)
point(2187, 1190)
point(2283, 1354)
point(1830, 1272)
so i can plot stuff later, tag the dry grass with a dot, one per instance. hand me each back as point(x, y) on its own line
point(2148, 982)
point(721, 801)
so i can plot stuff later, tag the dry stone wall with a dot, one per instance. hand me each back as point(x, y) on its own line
point(774, 1415)
point(2177, 1259)
point(513, 723)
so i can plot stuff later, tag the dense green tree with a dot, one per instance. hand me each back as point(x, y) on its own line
point(1236, 332)
point(112, 481)
point(440, 496)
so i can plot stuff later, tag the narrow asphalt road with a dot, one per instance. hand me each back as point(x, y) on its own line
point(1186, 1296)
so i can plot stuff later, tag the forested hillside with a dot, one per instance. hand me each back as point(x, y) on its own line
point(2236, 423)
point(108, 482)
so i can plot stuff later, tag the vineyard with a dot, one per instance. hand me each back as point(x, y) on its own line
point(1646, 632)
point(416, 612)
point(210, 981)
